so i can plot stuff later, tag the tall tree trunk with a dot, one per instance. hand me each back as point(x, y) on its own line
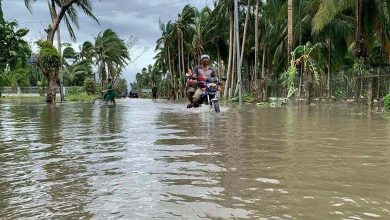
point(306, 83)
point(243, 42)
point(300, 82)
point(171, 74)
point(188, 61)
point(61, 78)
point(178, 65)
point(1, 13)
point(329, 94)
point(234, 67)
point(102, 73)
point(52, 78)
point(245, 30)
point(256, 40)
point(229, 67)
point(290, 29)
point(264, 95)
point(220, 69)
point(183, 65)
point(358, 34)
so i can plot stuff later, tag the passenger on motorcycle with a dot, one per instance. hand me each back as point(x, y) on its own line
point(196, 80)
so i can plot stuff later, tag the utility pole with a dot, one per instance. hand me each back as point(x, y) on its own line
point(237, 31)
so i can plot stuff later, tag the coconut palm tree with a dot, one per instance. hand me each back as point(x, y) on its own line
point(75, 70)
point(67, 10)
point(309, 57)
point(270, 29)
point(165, 49)
point(110, 54)
point(371, 16)
point(223, 9)
point(183, 26)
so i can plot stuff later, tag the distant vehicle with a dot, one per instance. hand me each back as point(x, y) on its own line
point(133, 94)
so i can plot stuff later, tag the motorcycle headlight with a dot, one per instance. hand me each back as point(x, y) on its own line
point(213, 85)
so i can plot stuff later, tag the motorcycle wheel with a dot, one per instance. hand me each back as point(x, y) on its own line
point(216, 107)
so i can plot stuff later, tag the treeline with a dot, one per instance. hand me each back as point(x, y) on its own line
point(296, 48)
point(107, 56)
point(92, 63)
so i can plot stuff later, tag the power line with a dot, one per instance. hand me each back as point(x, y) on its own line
point(118, 12)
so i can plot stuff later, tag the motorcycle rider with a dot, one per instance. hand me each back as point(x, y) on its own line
point(196, 80)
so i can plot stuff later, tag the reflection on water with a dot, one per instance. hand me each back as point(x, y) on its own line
point(142, 160)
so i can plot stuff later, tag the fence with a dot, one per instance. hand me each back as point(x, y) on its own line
point(375, 85)
point(346, 85)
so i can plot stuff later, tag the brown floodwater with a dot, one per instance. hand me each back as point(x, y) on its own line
point(145, 160)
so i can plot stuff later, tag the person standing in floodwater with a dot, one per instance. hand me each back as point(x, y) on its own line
point(154, 93)
point(109, 95)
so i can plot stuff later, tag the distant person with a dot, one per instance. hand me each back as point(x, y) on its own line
point(154, 93)
point(109, 95)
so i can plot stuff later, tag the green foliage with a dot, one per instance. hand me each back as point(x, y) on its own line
point(309, 55)
point(48, 58)
point(13, 49)
point(79, 97)
point(360, 68)
point(386, 102)
point(120, 87)
point(40, 85)
point(289, 78)
point(74, 90)
point(76, 73)
point(14, 53)
point(110, 54)
point(90, 86)
point(248, 98)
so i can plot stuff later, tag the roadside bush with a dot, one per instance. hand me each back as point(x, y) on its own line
point(80, 97)
point(90, 86)
point(387, 102)
point(74, 90)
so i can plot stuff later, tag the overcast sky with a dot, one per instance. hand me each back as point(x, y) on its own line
point(126, 17)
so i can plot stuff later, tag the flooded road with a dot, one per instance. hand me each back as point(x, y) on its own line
point(144, 160)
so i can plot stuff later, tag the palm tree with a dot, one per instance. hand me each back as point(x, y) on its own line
point(371, 16)
point(76, 74)
point(86, 51)
point(273, 27)
point(256, 38)
point(223, 9)
point(66, 10)
point(202, 32)
point(75, 69)
point(164, 50)
point(309, 57)
point(110, 54)
point(183, 27)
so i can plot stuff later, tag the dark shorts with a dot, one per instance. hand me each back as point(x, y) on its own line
point(154, 95)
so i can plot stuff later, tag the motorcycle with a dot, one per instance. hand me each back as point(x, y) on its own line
point(210, 96)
